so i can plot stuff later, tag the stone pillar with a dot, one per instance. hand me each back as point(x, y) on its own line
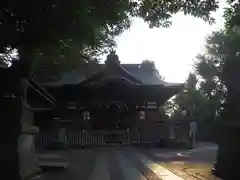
point(26, 146)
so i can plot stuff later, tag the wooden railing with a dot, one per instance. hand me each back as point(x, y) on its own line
point(144, 133)
point(100, 137)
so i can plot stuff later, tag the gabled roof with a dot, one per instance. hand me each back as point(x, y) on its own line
point(147, 77)
point(113, 81)
point(111, 73)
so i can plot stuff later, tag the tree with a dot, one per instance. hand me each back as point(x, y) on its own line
point(150, 67)
point(51, 67)
point(90, 25)
point(186, 99)
point(211, 85)
point(219, 71)
point(91, 22)
point(170, 108)
point(231, 15)
point(192, 103)
point(48, 26)
point(218, 64)
point(148, 64)
point(226, 44)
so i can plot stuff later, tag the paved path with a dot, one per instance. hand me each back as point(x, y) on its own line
point(200, 154)
point(114, 164)
point(188, 164)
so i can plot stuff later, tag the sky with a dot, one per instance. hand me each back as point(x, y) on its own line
point(173, 49)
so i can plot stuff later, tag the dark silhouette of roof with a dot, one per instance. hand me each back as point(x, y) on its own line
point(146, 76)
point(113, 81)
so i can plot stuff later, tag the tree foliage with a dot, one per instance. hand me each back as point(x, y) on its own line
point(51, 33)
point(229, 75)
point(86, 23)
point(89, 25)
point(231, 15)
point(209, 68)
point(228, 127)
point(212, 96)
point(51, 65)
point(148, 64)
point(194, 104)
point(216, 71)
point(189, 99)
point(58, 35)
point(219, 68)
point(159, 13)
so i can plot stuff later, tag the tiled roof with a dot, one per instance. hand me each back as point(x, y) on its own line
point(146, 76)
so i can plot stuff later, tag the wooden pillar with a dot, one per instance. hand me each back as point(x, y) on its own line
point(146, 111)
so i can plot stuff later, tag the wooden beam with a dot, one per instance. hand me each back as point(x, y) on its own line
point(38, 91)
point(41, 88)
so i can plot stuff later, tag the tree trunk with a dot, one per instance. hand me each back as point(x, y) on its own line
point(228, 158)
point(11, 104)
point(11, 108)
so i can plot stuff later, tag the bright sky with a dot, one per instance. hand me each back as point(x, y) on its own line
point(173, 49)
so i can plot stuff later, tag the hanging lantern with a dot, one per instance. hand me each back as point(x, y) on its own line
point(86, 115)
point(142, 115)
point(184, 112)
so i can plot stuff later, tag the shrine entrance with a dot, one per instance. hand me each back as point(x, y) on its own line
point(113, 97)
point(114, 119)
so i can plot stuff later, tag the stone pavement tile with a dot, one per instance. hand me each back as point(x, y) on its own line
point(191, 171)
point(189, 166)
point(116, 170)
point(203, 155)
point(160, 171)
point(84, 162)
point(198, 147)
point(101, 170)
point(81, 164)
point(117, 164)
point(130, 172)
point(205, 144)
point(147, 173)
